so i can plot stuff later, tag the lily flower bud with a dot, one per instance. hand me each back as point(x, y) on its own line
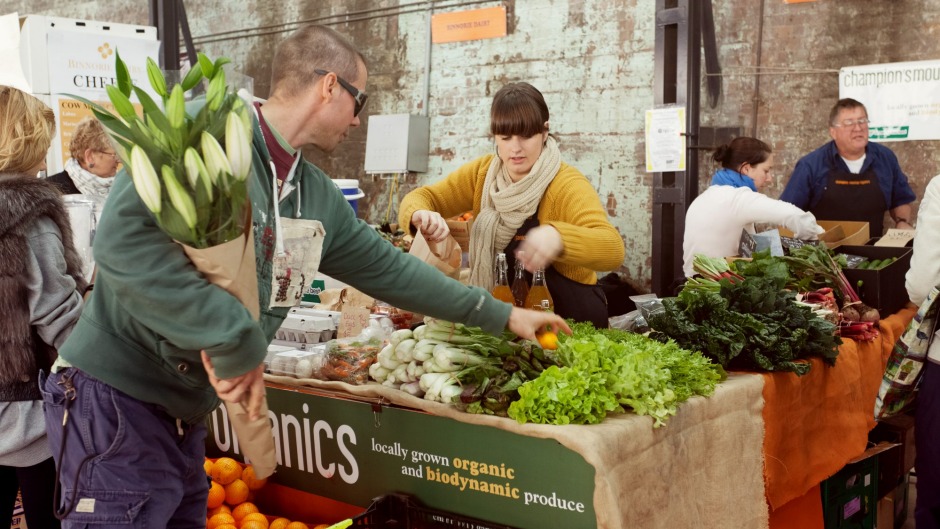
point(237, 146)
point(145, 179)
point(176, 108)
point(157, 81)
point(216, 92)
point(196, 171)
point(212, 153)
point(181, 200)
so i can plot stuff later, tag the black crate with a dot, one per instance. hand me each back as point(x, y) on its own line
point(882, 289)
point(400, 511)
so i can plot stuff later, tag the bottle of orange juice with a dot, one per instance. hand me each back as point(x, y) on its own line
point(501, 290)
point(539, 298)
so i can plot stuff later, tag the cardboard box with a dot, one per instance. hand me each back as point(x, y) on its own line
point(893, 507)
point(898, 429)
point(885, 516)
point(900, 499)
point(889, 465)
point(838, 232)
point(882, 289)
point(850, 496)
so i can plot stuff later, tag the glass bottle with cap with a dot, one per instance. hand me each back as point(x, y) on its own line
point(501, 290)
point(539, 298)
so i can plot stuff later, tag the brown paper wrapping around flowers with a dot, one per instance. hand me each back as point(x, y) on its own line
point(231, 266)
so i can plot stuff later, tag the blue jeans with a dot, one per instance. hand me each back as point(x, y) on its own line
point(125, 463)
point(927, 460)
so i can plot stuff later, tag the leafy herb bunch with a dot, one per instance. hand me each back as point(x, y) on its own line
point(748, 325)
point(196, 189)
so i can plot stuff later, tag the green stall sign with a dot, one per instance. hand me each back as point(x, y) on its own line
point(354, 451)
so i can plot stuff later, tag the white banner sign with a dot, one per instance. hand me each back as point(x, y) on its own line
point(902, 98)
point(82, 64)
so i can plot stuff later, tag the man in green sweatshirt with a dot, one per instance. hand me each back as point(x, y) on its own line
point(157, 345)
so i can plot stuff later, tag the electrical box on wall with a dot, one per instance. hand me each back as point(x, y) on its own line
point(397, 143)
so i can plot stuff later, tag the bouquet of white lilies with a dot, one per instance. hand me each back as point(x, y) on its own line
point(196, 189)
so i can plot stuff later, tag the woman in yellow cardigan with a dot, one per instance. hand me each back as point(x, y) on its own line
point(529, 204)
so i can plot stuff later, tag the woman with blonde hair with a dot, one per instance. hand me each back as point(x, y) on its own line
point(40, 299)
point(90, 170)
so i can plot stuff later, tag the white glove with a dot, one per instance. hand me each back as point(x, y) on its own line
point(806, 228)
point(431, 224)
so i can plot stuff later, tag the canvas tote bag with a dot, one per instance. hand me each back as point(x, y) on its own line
point(906, 364)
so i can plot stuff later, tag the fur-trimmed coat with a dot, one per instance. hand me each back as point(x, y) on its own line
point(24, 201)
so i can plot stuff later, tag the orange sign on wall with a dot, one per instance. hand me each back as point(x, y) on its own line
point(475, 24)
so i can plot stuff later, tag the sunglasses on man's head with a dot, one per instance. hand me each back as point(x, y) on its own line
point(359, 96)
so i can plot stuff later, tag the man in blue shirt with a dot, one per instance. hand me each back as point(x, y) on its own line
point(850, 178)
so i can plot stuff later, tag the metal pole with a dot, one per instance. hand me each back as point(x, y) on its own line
point(676, 81)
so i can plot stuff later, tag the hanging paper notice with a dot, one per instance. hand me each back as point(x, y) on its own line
point(665, 140)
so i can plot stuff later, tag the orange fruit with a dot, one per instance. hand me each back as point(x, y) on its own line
point(548, 340)
point(225, 470)
point(296, 525)
point(216, 496)
point(236, 492)
point(220, 508)
point(279, 523)
point(207, 466)
point(322, 526)
point(226, 526)
point(248, 476)
point(254, 524)
point(256, 516)
point(220, 519)
point(244, 509)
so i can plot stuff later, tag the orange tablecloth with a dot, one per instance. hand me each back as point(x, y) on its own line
point(815, 424)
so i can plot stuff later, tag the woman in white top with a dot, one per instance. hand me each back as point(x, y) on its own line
point(922, 277)
point(733, 203)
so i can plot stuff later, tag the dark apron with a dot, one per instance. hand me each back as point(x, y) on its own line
point(573, 300)
point(853, 197)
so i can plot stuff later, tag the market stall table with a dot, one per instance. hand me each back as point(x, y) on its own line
point(761, 440)
point(703, 469)
point(817, 423)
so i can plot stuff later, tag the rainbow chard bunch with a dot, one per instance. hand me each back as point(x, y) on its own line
point(191, 171)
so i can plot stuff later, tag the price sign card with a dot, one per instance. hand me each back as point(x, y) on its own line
point(352, 321)
point(896, 237)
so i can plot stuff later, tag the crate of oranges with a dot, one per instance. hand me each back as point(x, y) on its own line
point(231, 494)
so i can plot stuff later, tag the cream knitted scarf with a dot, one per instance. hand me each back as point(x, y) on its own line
point(87, 182)
point(505, 205)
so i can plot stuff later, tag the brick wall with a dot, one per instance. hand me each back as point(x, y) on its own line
point(594, 63)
